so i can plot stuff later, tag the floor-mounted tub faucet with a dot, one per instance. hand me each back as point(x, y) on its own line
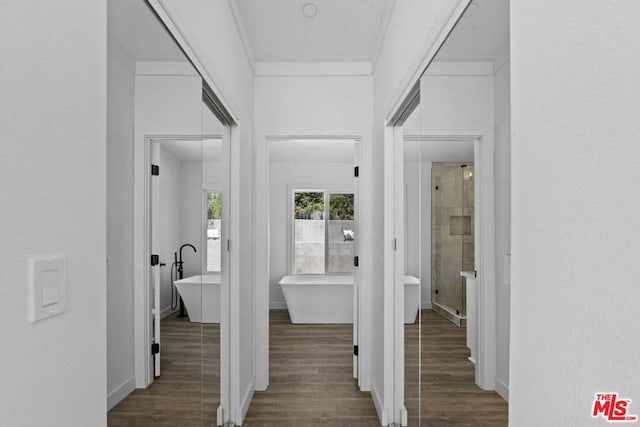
point(180, 270)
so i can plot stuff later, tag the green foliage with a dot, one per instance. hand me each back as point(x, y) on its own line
point(214, 205)
point(308, 205)
point(341, 207)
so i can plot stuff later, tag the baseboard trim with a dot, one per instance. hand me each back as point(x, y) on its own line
point(166, 312)
point(120, 392)
point(427, 305)
point(502, 389)
point(277, 305)
point(246, 401)
point(377, 402)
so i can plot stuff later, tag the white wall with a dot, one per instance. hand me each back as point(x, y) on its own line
point(210, 29)
point(52, 200)
point(313, 103)
point(574, 295)
point(120, 123)
point(282, 176)
point(502, 97)
point(169, 221)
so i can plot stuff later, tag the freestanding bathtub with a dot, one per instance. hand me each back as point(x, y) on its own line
point(201, 296)
point(329, 299)
point(319, 298)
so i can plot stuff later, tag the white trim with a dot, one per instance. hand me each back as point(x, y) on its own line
point(383, 415)
point(242, 410)
point(206, 189)
point(261, 244)
point(398, 272)
point(315, 69)
point(246, 45)
point(167, 311)
point(305, 165)
point(502, 389)
point(325, 189)
point(278, 305)
point(230, 371)
point(484, 253)
point(120, 392)
point(485, 250)
point(389, 242)
point(166, 68)
point(433, 43)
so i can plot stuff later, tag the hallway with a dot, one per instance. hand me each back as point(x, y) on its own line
point(310, 382)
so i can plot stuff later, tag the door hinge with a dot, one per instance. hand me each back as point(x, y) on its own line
point(155, 348)
point(355, 350)
point(356, 261)
point(475, 273)
point(155, 260)
point(155, 170)
point(356, 171)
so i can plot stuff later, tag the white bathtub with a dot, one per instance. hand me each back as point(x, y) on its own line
point(319, 299)
point(411, 298)
point(329, 299)
point(201, 297)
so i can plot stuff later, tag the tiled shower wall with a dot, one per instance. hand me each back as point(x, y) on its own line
point(452, 232)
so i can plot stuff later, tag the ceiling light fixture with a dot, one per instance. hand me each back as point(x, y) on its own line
point(310, 10)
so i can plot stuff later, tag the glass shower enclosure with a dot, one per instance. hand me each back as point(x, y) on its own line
point(452, 237)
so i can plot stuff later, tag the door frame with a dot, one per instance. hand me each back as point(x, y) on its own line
point(484, 253)
point(363, 245)
point(142, 303)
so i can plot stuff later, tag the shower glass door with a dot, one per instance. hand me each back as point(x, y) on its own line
point(452, 237)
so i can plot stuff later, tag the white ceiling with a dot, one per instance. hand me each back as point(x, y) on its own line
point(133, 25)
point(311, 151)
point(342, 31)
point(482, 34)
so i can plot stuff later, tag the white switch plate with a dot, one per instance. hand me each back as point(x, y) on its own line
point(47, 287)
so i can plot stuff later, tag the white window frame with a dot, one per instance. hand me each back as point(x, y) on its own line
point(205, 225)
point(327, 190)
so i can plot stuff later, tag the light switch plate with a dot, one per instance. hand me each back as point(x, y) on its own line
point(47, 287)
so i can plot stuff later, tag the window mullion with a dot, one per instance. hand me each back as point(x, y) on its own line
point(326, 232)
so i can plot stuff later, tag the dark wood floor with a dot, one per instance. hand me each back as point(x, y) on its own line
point(310, 380)
point(448, 394)
point(188, 391)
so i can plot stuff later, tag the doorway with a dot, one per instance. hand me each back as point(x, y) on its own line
point(291, 167)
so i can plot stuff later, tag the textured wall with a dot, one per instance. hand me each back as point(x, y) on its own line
point(574, 294)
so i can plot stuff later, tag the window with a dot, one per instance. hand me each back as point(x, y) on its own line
point(323, 232)
point(214, 230)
